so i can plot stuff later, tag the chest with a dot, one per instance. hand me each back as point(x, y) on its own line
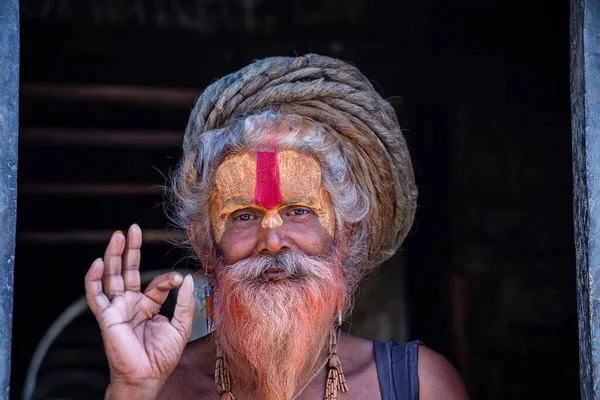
point(362, 384)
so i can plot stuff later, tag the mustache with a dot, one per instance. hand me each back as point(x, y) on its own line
point(294, 265)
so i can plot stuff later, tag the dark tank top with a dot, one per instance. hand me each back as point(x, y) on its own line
point(397, 369)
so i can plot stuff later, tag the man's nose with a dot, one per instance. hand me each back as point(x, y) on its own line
point(273, 240)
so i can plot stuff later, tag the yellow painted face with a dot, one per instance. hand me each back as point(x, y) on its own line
point(269, 181)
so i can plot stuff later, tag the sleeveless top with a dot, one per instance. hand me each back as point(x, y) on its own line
point(397, 369)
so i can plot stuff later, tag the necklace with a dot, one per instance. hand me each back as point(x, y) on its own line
point(336, 381)
point(313, 376)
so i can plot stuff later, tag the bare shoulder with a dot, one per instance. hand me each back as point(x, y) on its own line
point(438, 379)
point(358, 360)
point(194, 375)
point(356, 351)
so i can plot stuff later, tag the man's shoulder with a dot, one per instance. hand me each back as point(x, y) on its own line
point(358, 361)
point(357, 352)
point(438, 379)
point(194, 373)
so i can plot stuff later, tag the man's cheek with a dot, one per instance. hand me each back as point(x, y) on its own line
point(237, 247)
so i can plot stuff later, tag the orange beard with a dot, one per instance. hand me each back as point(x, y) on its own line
point(274, 333)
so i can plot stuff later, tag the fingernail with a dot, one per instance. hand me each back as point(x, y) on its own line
point(178, 279)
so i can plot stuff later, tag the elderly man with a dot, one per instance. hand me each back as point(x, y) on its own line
point(295, 182)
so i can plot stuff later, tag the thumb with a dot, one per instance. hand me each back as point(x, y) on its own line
point(183, 316)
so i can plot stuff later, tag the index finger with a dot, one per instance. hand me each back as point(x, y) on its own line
point(96, 299)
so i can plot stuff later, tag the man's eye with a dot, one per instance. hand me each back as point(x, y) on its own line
point(296, 212)
point(244, 217)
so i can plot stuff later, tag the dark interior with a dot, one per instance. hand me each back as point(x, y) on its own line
point(481, 87)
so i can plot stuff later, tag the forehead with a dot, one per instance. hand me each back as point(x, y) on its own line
point(299, 174)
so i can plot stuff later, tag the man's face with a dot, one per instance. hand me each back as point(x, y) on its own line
point(272, 220)
point(268, 202)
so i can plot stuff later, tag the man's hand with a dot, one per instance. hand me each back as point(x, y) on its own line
point(142, 346)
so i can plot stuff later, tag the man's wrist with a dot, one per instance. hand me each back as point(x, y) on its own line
point(121, 391)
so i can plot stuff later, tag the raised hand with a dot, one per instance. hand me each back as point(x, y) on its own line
point(142, 346)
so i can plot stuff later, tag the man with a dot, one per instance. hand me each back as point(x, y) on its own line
point(295, 182)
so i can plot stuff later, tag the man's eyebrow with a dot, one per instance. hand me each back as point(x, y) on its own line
point(234, 202)
point(299, 200)
point(233, 205)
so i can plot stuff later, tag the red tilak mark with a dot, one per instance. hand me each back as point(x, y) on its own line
point(267, 192)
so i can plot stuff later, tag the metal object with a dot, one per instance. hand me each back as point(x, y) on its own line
point(9, 125)
point(585, 109)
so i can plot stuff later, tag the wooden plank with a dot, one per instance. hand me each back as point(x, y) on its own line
point(138, 95)
point(102, 137)
point(103, 189)
point(151, 236)
point(585, 112)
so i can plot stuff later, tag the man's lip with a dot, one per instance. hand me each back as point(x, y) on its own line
point(274, 273)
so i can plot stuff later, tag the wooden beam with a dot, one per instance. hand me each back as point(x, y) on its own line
point(151, 236)
point(103, 189)
point(102, 137)
point(136, 95)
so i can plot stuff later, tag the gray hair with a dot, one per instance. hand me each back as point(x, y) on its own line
point(354, 134)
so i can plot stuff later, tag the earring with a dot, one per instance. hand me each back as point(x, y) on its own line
point(335, 376)
point(222, 376)
point(209, 306)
